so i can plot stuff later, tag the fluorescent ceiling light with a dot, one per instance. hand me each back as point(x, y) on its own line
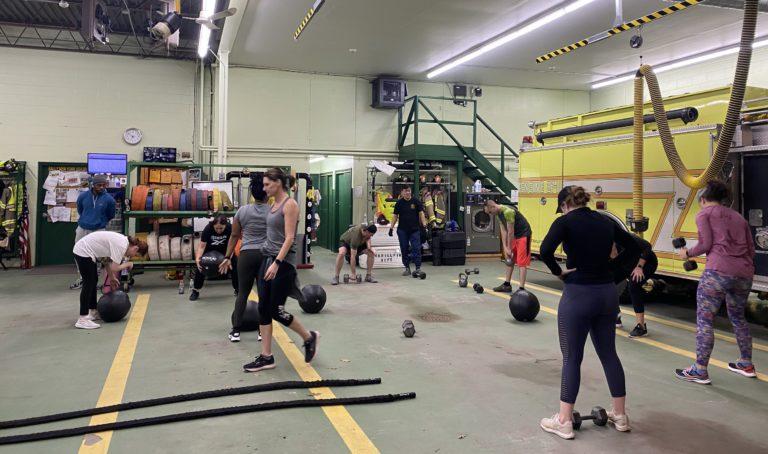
point(680, 63)
point(510, 36)
point(317, 159)
point(205, 33)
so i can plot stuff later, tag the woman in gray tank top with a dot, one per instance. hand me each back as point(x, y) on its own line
point(250, 227)
point(279, 272)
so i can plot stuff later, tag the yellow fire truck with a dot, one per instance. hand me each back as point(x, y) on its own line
point(594, 150)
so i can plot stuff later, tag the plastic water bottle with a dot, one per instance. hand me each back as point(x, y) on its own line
point(478, 187)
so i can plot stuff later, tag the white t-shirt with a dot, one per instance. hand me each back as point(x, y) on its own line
point(102, 244)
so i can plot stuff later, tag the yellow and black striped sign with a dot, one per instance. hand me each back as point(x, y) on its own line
point(621, 28)
point(307, 18)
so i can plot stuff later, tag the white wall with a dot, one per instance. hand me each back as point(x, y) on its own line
point(286, 115)
point(58, 106)
point(703, 76)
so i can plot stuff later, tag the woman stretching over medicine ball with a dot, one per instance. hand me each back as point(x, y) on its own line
point(279, 272)
point(589, 304)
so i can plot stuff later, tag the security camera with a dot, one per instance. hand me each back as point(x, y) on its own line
point(167, 26)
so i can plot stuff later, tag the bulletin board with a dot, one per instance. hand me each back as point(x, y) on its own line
point(62, 188)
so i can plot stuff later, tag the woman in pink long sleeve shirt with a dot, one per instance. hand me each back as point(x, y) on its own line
point(725, 236)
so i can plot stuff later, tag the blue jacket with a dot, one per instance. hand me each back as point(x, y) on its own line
point(95, 216)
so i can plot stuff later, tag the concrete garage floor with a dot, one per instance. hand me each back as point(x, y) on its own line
point(483, 381)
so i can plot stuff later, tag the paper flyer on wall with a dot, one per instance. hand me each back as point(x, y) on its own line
point(72, 195)
point(52, 181)
point(50, 198)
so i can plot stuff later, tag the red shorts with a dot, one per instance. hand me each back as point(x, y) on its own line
point(521, 253)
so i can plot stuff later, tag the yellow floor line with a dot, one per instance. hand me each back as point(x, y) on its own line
point(349, 431)
point(114, 386)
point(644, 340)
point(653, 318)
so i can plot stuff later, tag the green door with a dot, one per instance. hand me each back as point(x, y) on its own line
point(343, 201)
point(53, 240)
point(325, 233)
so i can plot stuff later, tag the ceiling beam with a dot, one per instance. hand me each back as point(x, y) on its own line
point(232, 25)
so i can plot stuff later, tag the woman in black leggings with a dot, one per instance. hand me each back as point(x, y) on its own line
point(279, 272)
point(589, 304)
point(250, 227)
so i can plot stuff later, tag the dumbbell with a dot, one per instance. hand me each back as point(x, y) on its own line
point(478, 288)
point(688, 265)
point(408, 329)
point(359, 278)
point(598, 416)
point(468, 271)
point(346, 278)
point(420, 274)
point(463, 280)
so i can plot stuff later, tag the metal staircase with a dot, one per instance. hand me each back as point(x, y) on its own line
point(469, 160)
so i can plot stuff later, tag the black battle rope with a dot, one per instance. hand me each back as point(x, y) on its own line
point(185, 398)
point(188, 416)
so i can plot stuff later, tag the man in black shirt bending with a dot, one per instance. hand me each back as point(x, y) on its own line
point(409, 217)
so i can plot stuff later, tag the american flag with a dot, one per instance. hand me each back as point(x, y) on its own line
point(26, 257)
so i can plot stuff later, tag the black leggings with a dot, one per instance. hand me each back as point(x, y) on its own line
point(199, 277)
point(274, 293)
point(636, 292)
point(248, 269)
point(588, 309)
point(90, 275)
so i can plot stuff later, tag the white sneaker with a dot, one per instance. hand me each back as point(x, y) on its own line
point(554, 426)
point(93, 316)
point(85, 323)
point(620, 422)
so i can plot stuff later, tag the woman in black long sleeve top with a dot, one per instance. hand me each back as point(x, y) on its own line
point(589, 304)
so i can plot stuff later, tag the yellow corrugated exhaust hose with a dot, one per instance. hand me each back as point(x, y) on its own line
point(726, 135)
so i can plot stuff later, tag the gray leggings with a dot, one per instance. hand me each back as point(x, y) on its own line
point(588, 309)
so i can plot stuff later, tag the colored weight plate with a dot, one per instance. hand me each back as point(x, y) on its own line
point(157, 200)
point(183, 201)
point(177, 200)
point(193, 199)
point(199, 199)
point(139, 197)
point(150, 196)
point(216, 199)
point(164, 203)
point(226, 202)
point(170, 202)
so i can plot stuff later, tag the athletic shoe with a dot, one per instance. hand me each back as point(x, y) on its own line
point(505, 287)
point(76, 285)
point(194, 295)
point(369, 278)
point(554, 426)
point(260, 363)
point(84, 323)
point(236, 292)
point(693, 374)
point(618, 322)
point(743, 369)
point(93, 316)
point(259, 339)
point(407, 271)
point(620, 422)
point(639, 331)
point(335, 280)
point(310, 346)
point(234, 336)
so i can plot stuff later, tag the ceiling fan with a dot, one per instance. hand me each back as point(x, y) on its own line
point(61, 3)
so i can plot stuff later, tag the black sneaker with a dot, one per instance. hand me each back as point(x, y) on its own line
point(260, 363)
point(407, 271)
point(237, 292)
point(505, 287)
point(639, 331)
point(310, 346)
point(618, 322)
point(76, 285)
point(234, 336)
point(194, 295)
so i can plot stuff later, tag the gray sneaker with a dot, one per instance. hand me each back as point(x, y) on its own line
point(76, 285)
point(369, 278)
point(407, 271)
point(335, 280)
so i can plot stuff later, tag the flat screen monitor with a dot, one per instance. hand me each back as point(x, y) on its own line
point(114, 164)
